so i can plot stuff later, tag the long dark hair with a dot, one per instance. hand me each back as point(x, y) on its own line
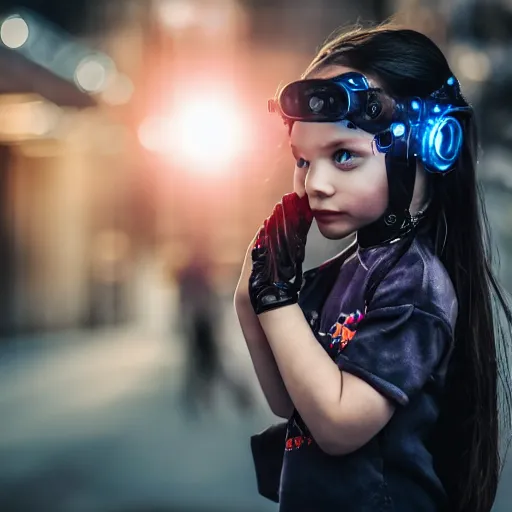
point(467, 441)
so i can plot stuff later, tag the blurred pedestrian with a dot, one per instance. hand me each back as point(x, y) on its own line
point(199, 313)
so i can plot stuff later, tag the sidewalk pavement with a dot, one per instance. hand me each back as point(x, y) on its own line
point(91, 422)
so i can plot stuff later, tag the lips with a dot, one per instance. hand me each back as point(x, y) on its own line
point(327, 215)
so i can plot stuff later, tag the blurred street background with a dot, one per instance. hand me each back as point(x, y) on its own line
point(137, 160)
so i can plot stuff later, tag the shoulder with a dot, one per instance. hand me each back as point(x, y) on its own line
point(419, 278)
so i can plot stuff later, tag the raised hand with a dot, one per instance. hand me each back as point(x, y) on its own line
point(278, 254)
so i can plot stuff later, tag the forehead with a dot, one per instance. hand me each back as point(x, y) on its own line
point(315, 138)
point(336, 70)
point(325, 72)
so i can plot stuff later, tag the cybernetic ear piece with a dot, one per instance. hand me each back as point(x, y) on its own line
point(436, 142)
point(435, 124)
point(441, 144)
point(429, 128)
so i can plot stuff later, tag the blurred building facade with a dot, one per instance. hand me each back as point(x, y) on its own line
point(65, 180)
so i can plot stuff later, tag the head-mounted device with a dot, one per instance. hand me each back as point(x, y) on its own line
point(428, 128)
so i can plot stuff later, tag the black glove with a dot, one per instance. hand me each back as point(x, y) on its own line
point(278, 254)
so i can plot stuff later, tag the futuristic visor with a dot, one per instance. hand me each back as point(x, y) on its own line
point(345, 97)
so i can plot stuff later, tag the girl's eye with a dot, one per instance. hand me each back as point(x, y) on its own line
point(301, 163)
point(342, 157)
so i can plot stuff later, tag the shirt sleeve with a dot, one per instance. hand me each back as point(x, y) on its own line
point(396, 349)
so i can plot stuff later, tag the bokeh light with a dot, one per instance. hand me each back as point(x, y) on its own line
point(154, 134)
point(118, 91)
point(211, 132)
point(14, 31)
point(206, 133)
point(23, 120)
point(93, 73)
point(470, 63)
point(475, 65)
point(177, 14)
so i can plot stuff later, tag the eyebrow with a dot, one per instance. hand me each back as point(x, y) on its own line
point(334, 144)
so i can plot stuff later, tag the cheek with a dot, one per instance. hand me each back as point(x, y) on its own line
point(299, 181)
point(369, 189)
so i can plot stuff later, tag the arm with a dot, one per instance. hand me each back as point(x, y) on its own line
point(263, 360)
point(344, 402)
point(342, 411)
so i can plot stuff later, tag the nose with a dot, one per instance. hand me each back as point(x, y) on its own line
point(319, 181)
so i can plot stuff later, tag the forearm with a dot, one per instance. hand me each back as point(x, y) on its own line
point(263, 359)
point(312, 379)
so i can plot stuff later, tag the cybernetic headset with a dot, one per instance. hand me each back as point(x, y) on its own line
point(407, 130)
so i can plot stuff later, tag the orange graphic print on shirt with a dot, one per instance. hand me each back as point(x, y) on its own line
point(344, 330)
point(298, 435)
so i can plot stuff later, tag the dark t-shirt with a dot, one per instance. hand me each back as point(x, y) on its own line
point(400, 344)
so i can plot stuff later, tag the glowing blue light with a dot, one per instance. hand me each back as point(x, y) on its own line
point(398, 129)
point(441, 147)
point(439, 144)
point(450, 81)
point(437, 109)
point(415, 105)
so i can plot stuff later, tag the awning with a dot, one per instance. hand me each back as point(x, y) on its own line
point(19, 75)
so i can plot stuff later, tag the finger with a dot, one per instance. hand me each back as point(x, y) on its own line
point(306, 217)
point(290, 213)
point(273, 243)
point(299, 205)
point(285, 258)
point(294, 222)
point(256, 236)
point(281, 228)
point(284, 268)
point(298, 223)
point(299, 219)
point(304, 208)
point(258, 242)
point(296, 226)
point(261, 271)
point(259, 252)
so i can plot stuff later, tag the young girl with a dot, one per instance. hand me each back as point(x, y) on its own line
point(384, 360)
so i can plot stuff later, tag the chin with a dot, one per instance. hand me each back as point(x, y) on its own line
point(333, 232)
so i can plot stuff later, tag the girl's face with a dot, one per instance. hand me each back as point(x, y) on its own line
point(343, 175)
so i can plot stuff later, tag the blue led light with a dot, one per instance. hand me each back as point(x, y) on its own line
point(437, 109)
point(415, 105)
point(398, 129)
point(441, 146)
point(450, 81)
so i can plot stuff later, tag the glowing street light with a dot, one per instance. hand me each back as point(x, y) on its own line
point(209, 132)
point(205, 134)
point(14, 31)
